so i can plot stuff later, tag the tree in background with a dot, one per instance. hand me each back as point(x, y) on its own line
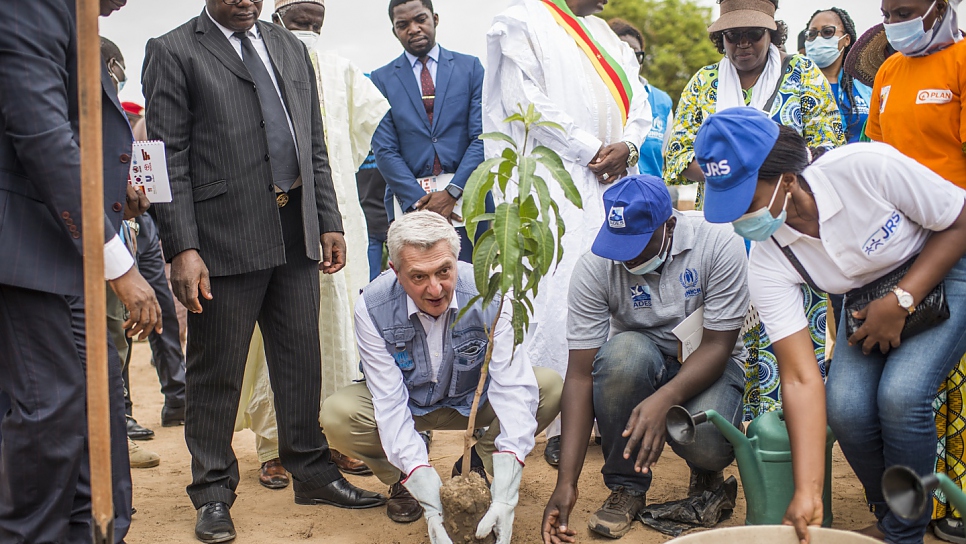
point(676, 39)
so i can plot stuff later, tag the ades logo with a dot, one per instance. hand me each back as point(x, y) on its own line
point(716, 169)
point(616, 218)
point(641, 296)
point(690, 280)
point(883, 234)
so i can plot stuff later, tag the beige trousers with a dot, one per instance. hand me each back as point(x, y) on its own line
point(350, 423)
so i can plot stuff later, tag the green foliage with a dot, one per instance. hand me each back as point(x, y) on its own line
point(675, 39)
point(525, 243)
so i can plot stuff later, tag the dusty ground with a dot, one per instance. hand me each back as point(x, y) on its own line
point(165, 515)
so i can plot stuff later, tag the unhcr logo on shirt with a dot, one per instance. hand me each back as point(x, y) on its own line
point(689, 280)
point(641, 296)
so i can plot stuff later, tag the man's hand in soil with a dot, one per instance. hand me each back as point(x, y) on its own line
point(556, 516)
point(505, 492)
point(423, 484)
point(647, 427)
point(440, 202)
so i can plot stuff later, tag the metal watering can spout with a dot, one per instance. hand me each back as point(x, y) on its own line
point(681, 428)
point(909, 496)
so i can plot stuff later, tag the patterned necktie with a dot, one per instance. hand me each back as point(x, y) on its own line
point(429, 102)
point(281, 144)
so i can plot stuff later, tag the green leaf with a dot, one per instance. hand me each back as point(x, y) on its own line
point(519, 321)
point(551, 161)
point(492, 289)
point(484, 257)
point(513, 118)
point(561, 230)
point(506, 227)
point(464, 309)
point(498, 136)
point(479, 183)
point(543, 194)
point(543, 259)
point(550, 124)
point(528, 210)
point(526, 171)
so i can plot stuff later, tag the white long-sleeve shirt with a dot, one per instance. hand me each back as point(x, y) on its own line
point(512, 391)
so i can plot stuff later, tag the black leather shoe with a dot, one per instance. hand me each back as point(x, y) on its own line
point(342, 494)
point(172, 417)
point(137, 432)
point(552, 452)
point(476, 465)
point(402, 507)
point(214, 523)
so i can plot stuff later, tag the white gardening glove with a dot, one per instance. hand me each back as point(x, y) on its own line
point(423, 484)
point(505, 493)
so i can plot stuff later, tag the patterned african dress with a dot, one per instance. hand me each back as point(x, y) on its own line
point(804, 102)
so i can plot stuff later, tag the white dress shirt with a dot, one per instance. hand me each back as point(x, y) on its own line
point(512, 392)
point(432, 63)
point(877, 209)
point(259, 44)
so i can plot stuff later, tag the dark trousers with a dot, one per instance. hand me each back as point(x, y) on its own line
point(166, 347)
point(630, 368)
point(44, 464)
point(285, 303)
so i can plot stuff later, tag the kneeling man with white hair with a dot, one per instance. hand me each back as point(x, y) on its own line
point(422, 368)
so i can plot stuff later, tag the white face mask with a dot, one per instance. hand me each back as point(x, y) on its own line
point(824, 51)
point(910, 37)
point(309, 38)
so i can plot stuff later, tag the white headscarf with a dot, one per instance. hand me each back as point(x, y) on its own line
point(945, 32)
point(729, 85)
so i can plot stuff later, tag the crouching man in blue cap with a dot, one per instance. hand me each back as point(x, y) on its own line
point(649, 269)
point(422, 368)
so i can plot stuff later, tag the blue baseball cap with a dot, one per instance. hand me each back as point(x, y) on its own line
point(730, 148)
point(636, 206)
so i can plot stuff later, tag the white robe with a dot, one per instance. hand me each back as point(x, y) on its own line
point(352, 108)
point(532, 60)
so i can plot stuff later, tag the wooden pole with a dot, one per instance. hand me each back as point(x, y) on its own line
point(92, 200)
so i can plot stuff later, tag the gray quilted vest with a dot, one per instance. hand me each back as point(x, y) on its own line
point(464, 344)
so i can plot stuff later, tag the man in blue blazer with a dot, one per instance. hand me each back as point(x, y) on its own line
point(436, 118)
point(45, 493)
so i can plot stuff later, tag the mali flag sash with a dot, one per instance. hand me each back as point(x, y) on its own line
point(609, 69)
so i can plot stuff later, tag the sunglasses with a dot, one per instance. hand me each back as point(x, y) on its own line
point(752, 35)
point(826, 32)
point(641, 56)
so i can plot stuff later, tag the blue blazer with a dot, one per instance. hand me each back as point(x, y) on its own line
point(40, 191)
point(405, 144)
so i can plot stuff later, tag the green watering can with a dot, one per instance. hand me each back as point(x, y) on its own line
point(908, 495)
point(764, 461)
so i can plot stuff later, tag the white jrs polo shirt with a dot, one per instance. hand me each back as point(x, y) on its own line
point(876, 207)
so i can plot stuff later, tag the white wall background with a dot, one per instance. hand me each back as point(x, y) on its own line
point(360, 29)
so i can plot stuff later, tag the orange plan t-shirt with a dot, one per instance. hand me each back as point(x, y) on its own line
point(917, 107)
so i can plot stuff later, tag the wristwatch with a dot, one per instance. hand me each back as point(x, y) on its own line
point(905, 299)
point(634, 156)
point(454, 191)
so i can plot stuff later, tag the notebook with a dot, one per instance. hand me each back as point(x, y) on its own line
point(689, 334)
point(431, 185)
point(149, 171)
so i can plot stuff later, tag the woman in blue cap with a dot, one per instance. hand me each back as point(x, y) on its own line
point(853, 219)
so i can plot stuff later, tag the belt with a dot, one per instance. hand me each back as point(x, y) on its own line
point(281, 197)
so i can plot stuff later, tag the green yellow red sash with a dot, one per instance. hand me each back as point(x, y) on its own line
point(609, 69)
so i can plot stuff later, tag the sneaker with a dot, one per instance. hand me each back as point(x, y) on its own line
point(616, 517)
point(141, 458)
point(950, 530)
point(702, 481)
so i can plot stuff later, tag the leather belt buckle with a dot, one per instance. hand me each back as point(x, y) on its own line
point(281, 200)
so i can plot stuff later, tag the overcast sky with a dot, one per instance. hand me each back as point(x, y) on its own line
point(360, 29)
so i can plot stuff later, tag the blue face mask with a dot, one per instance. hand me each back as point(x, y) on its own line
point(759, 225)
point(653, 263)
point(824, 51)
point(910, 37)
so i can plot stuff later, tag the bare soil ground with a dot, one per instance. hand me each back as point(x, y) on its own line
point(165, 516)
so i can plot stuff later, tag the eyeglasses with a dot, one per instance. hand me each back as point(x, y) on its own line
point(641, 56)
point(738, 36)
point(826, 32)
point(236, 2)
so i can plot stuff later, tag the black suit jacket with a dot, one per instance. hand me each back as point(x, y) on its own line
point(40, 190)
point(201, 103)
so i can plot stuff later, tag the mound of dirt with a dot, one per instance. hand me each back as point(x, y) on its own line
point(465, 502)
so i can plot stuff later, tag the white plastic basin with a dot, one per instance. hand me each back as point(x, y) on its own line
point(772, 534)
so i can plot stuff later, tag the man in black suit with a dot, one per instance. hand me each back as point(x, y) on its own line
point(44, 465)
point(235, 101)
